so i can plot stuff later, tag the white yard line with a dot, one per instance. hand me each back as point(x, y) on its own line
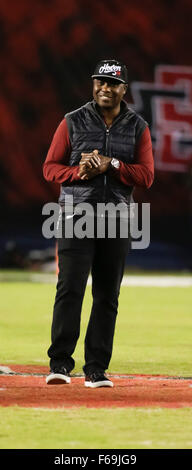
point(132, 280)
point(157, 281)
point(151, 280)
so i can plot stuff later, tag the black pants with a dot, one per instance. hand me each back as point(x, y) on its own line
point(105, 258)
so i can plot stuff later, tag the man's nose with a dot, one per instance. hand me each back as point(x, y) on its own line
point(105, 86)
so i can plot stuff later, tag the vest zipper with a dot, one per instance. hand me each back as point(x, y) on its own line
point(106, 153)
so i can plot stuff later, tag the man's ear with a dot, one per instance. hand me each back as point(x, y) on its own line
point(125, 89)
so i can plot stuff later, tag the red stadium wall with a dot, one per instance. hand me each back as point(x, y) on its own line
point(48, 51)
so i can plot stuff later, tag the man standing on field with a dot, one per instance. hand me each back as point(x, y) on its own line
point(98, 154)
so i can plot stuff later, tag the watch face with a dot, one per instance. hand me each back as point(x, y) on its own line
point(115, 163)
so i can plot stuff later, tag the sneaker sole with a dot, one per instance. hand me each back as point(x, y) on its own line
point(57, 379)
point(103, 383)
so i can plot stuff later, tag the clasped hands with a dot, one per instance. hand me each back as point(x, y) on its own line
point(93, 164)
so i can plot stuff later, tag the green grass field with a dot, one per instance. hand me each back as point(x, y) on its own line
point(153, 336)
point(82, 428)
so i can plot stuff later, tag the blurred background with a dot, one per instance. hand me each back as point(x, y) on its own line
point(48, 51)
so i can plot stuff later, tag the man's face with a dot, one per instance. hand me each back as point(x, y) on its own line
point(107, 92)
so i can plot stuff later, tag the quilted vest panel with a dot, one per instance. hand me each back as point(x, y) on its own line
point(87, 132)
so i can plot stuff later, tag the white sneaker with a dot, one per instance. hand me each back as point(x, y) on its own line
point(58, 375)
point(97, 379)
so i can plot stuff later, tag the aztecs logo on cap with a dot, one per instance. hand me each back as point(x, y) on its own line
point(115, 70)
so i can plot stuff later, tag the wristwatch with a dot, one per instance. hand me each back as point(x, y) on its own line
point(115, 163)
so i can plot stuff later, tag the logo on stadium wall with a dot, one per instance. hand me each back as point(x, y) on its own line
point(166, 105)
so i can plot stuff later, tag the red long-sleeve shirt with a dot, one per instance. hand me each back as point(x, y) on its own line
point(56, 167)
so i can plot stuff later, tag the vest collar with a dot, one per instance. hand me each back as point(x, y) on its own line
point(93, 107)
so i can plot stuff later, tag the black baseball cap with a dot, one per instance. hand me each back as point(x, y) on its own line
point(111, 69)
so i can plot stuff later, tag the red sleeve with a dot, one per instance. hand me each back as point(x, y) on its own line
point(141, 172)
point(56, 166)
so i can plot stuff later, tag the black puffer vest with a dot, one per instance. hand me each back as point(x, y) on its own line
point(87, 132)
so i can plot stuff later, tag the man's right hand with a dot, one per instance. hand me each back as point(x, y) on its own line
point(92, 160)
point(89, 165)
point(93, 164)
